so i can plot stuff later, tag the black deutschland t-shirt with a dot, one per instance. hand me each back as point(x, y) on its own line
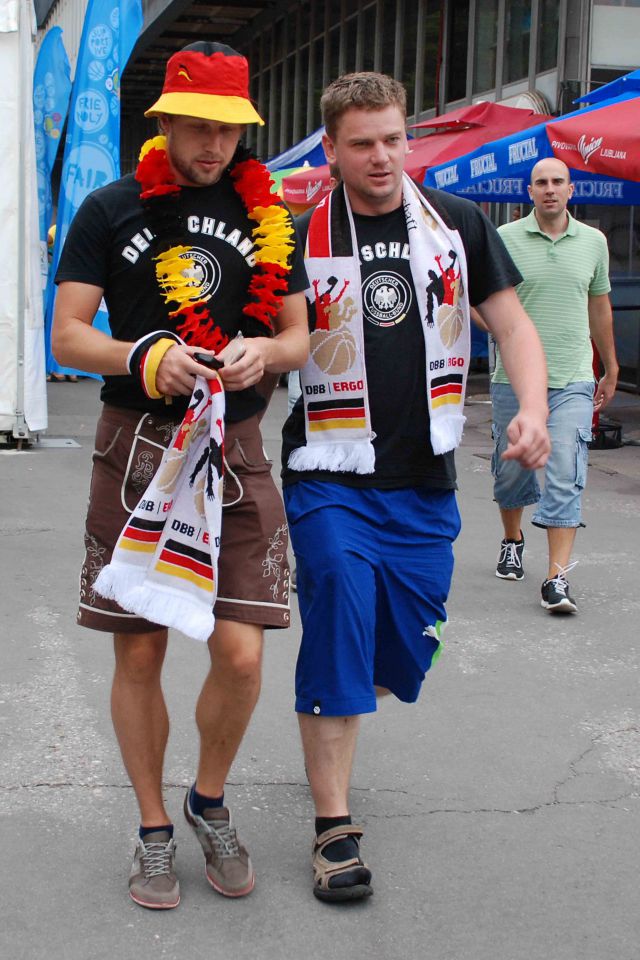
point(109, 245)
point(395, 348)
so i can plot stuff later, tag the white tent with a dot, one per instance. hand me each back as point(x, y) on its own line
point(23, 396)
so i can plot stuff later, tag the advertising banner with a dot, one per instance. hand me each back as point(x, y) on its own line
point(51, 92)
point(595, 143)
point(92, 145)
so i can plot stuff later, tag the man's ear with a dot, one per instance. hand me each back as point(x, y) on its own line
point(163, 123)
point(329, 148)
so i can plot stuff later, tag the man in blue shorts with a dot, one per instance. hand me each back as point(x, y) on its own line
point(368, 469)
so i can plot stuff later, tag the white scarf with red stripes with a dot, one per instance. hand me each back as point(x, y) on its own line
point(338, 426)
point(164, 566)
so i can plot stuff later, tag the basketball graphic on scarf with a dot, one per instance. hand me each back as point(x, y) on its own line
point(174, 458)
point(450, 320)
point(333, 351)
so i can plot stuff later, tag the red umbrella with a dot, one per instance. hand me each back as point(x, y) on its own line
point(306, 188)
point(464, 129)
point(604, 140)
point(454, 134)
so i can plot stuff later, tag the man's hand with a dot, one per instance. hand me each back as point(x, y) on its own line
point(245, 361)
point(529, 441)
point(601, 328)
point(605, 391)
point(177, 372)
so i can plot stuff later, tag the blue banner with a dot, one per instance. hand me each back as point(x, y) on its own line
point(309, 150)
point(51, 91)
point(92, 145)
point(500, 171)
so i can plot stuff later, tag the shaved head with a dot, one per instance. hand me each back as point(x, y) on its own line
point(556, 167)
point(550, 191)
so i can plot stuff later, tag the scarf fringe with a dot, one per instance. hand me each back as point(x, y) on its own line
point(447, 435)
point(349, 457)
point(159, 604)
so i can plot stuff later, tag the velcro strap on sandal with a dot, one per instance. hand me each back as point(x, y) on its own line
point(323, 869)
point(331, 869)
point(336, 833)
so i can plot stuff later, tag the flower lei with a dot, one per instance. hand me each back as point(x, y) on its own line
point(175, 269)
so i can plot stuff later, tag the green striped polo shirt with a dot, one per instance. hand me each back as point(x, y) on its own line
point(559, 275)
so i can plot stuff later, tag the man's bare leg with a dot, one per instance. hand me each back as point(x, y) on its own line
point(224, 708)
point(140, 718)
point(560, 540)
point(512, 523)
point(227, 700)
point(329, 745)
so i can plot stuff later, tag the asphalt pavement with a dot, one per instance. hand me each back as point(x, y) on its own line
point(501, 813)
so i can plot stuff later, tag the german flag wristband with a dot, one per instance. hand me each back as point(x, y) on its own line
point(145, 358)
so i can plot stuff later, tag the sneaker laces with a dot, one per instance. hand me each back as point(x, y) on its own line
point(225, 839)
point(560, 581)
point(509, 553)
point(156, 859)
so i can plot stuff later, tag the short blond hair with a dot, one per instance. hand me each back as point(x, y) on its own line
point(365, 91)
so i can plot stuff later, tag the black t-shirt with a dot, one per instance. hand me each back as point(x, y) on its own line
point(110, 245)
point(395, 348)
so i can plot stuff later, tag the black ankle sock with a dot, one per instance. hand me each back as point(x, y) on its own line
point(340, 849)
point(166, 827)
point(199, 803)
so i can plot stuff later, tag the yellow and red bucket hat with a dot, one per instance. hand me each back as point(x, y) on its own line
point(209, 81)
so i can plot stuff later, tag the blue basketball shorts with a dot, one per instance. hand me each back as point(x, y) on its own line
point(374, 569)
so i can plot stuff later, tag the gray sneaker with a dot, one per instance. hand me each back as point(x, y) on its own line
point(228, 865)
point(152, 881)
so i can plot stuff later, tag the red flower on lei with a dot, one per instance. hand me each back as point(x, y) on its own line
point(272, 237)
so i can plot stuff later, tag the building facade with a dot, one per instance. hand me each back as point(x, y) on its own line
point(540, 54)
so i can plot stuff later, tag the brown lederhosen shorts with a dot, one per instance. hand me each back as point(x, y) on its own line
point(253, 572)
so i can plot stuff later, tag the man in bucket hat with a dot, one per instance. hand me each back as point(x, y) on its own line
point(191, 254)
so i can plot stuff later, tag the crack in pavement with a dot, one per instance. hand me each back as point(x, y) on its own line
point(631, 795)
point(598, 740)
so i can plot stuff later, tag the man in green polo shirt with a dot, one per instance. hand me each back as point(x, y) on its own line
point(565, 265)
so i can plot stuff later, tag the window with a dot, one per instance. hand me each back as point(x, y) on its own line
point(433, 27)
point(548, 35)
point(410, 45)
point(318, 56)
point(334, 54)
point(621, 227)
point(485, 45)
point(389, 37)
point(457, 72)
point(278, 37)
point(369, 30)
point(517, 35)
point(351, 43)
point(287, 126)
